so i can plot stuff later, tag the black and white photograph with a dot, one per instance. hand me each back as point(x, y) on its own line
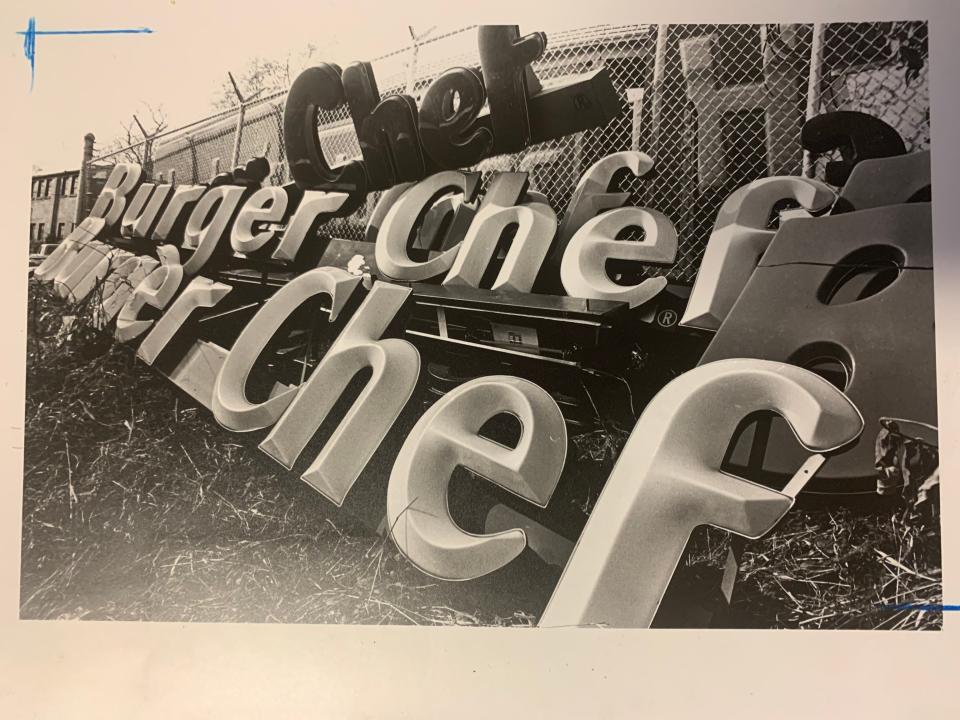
point(532, 326)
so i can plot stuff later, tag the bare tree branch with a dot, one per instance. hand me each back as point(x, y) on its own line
point(262, 76)
point(131, 139)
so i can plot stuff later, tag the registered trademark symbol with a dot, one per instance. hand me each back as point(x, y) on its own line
point(667, 318)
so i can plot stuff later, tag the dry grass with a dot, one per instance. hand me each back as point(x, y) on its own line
point(137, 506)
point(832, 568)
point(845, 569)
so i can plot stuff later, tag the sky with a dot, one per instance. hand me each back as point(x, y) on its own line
point(95, 83)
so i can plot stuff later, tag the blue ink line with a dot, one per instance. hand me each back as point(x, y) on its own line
point(925, 607)
point(127, 31)
point(30, 40)
point(30, 48)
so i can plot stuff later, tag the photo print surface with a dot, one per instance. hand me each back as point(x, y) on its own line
point(617, 326)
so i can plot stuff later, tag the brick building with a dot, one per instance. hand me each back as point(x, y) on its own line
point(59, 200)
point(53, 206)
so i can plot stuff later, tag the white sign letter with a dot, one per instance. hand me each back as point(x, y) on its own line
point(395, 364)
point(113, 198)
point(740, 237)
point(583, 268)
point(447, 436)
point(156, 290)
point(402, 219)
point(668, 481)
point(200, 293)
point(230, 405)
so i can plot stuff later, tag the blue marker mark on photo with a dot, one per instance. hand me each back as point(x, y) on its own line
point(925, 607)
point(30, 40)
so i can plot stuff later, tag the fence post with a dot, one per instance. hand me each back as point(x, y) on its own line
point(655, 190)
point(656, 99)
point(194, 161)
point(238, 134)
point(88, 141)
point(148, 156)
point(414, 56)
point(281, 171)
point(146, 162)
point(241, 111)
point(813, 87)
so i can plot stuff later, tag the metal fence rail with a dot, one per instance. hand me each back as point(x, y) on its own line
point(715, 106)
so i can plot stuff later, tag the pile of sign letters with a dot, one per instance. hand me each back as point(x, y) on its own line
point(806, 330)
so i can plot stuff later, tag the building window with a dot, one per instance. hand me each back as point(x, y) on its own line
point(59, 231)
point(40, 232)
point(73, 184)
point(33, 231)
point(46, 188)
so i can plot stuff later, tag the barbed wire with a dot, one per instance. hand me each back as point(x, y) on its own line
point(715, 106)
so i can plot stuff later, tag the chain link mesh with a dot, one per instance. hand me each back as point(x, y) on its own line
point(716, 106)
point(881, 69)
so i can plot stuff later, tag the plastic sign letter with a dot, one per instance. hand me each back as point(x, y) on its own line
point(78, 263)
point(447, 436)
point(667, 482)
point(450, 134)
point(94, 269)
point(267, 204)
point(200, 293)
point(156, 290)
point(120, 265)
point(504, 58)
point(208, 223)
point(388, 198)
point(181, 202)
point(830, 291)
point(144, 210)
point(112, 200)
point(316, 89)
point(386, 128)
point(67, 252)
point(886, 181)
point(129, 272)
point(536, 225)
point(739, 239)
point(395, 364)
point(315, 208)
point(592, 196)
point(583, 268)
point(230, 405)
point(401, 219)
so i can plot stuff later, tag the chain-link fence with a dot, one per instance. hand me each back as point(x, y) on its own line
point(715, 106)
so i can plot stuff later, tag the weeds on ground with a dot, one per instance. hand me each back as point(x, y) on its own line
point(138, 506)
